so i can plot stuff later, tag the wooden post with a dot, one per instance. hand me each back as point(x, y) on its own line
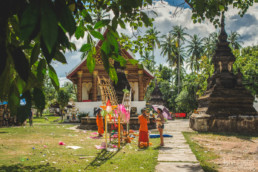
point(140, 85)
point(94, 86)
point(79, 86)
point(119, 131)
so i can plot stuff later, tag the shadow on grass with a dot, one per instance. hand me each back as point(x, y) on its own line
point(20, 167)
point(247, 137)
point(101, 158)
point(3, 132)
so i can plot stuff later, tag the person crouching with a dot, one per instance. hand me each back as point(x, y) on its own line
point(143, 131)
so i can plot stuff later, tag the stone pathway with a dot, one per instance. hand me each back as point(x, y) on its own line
point(176, 155)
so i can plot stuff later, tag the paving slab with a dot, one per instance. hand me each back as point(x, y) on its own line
point(176, 155)
point(167, 150)
point(179, 157)
point(178, 146)
point(178, 167)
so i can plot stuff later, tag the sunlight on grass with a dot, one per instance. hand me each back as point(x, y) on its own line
point(37, 148)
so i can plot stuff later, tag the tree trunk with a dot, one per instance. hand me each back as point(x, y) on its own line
point(37, 113)
point(178, 69)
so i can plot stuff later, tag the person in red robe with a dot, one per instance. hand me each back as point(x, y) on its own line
point(99, 121)
point(143, 131)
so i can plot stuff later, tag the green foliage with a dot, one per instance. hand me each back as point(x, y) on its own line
point(186, 100)
point(247, 62)
point(211, 9)
point(62, 99)
point(70, 89)
point(49, 90)
point(39, 99)
point(83, 114)
point(35, 32)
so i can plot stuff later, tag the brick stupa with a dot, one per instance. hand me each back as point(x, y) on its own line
point(226, 105)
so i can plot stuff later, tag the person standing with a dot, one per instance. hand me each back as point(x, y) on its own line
point(160, 125)
point(143, 131)
point(99, 121)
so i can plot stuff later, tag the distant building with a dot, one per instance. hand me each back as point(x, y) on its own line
point(156, 97)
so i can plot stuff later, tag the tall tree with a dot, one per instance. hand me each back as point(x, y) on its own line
point(210, 45)
point(154, 40)
point(147, 61)
point(167, 46)
point(178, 32)
point(195, 51)
point(62, 99)
point(233, 39)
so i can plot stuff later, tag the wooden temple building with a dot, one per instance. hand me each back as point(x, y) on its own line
point(88, 91)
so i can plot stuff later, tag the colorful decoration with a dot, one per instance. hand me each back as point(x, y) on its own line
point(124, 114)
point(107, 110)
point(61, 143)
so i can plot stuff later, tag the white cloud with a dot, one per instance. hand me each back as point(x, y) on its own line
point(246, 27)
point(63, 80)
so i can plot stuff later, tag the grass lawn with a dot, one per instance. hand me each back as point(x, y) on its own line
point(42, 120)
point(36, 148)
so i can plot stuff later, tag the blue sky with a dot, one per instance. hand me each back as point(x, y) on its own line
point(246, 27)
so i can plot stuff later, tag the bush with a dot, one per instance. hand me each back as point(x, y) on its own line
point(82, 114)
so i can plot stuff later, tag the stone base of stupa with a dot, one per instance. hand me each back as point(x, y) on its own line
point(236, 124)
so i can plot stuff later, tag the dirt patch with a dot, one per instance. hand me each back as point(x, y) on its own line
point(236, 154)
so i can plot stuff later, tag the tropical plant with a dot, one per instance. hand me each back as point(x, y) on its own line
point(195, 51)
point(154, 40)
point(210, 43)
point(167, 46)
point(233, 39)
point(203, 10)
point(179, 34)
point(70, 89)
point(247, 63)
point(148, 61)
point(33, 33)
point(62, 99)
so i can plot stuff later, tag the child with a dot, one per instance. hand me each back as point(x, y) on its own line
point(143, 131)
point(160, 125)
point(99, 122)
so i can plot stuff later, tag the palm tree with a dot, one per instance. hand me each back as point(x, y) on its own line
point(171, 50)
point(195, 51)
point(233, 40)
point(178, 32)
point(147, 61)
point(210, 43)
point(167, 46)
point(153, 34)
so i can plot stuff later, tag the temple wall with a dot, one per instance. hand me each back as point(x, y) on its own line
point(85, 107)
point(134, 86)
